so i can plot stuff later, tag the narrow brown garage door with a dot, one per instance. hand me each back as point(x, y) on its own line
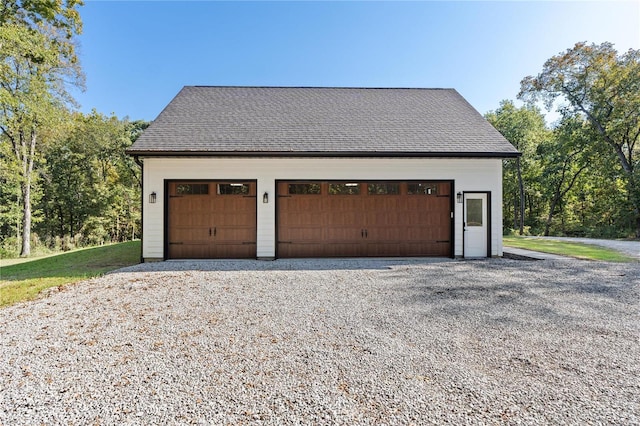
point(330, 219)
point(208, 220)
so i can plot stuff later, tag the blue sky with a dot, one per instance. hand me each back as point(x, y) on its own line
point(137, 55)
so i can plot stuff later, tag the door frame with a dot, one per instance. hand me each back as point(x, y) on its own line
point(488, 195)
point(165, 219)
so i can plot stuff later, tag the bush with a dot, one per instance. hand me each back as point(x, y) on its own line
point(94, 231)
point(67, 243)
point(10, 247)
point(7, 254)
point(509, 232)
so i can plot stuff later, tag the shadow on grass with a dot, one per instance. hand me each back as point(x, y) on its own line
point(78, 263)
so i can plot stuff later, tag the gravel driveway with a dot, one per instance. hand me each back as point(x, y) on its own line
point(330, 342)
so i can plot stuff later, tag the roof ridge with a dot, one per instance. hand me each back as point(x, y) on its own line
point(320, 87)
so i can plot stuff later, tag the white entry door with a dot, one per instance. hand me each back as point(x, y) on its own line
point(475, 225)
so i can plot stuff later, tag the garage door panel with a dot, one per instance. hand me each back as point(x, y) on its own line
point(203, 223)
point(414, 217)
point(385, 249)
point(192, 203)
point(387, 203)
point(191, 251)
point(382, 219)
point(339, 233)
point(345, 249)
point(302, 219)
point(427, 234)
point(342, 204)
point(234, 235)
point(192, 220)
point(428, 248)
point(302, 234)
point(302, 250)
point(223, 204)
point(193, 235)
point(299, 220)
point(239, 219)
point(197, 217)
point(232, 251)
point(444, 189)
point(343, 218)
point(386, 233)
point(302, 202)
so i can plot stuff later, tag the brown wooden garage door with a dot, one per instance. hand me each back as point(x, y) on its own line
point(208, 220)
point(332, 219)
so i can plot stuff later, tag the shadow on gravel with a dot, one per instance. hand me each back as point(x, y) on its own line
point(508, 291)
point(340, 264)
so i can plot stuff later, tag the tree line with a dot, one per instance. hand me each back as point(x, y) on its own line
point(63, 175)
point(66, 181)
point(580, 176)
point(85, 190)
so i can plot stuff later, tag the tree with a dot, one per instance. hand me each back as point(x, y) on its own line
point(91, 186)
point(563, 158)
point(37, 63)
point(525, 128)
point(595, 82)
point(10, 218)
point(63, 17)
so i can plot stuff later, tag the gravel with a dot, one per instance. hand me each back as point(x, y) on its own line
point(329, 342)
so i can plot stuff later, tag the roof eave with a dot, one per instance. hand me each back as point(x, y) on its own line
point(321, 154)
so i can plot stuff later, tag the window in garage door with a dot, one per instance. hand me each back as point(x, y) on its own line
point(207, 220)
point(373, 218)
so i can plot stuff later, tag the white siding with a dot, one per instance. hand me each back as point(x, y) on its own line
point(467, 174)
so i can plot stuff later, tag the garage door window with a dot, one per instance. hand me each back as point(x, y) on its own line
point(304, 188)
point(192, 189)
point(383, 188)
point(233, 189)
point(344, 189)
point(422, 188)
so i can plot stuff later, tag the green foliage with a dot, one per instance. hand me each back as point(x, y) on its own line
point(37, 64)
point(60, 15)
point(92, 188)
point(525, 128)
point(596, 84)
point(582, 177)
point(10, 220)
point(88, 188)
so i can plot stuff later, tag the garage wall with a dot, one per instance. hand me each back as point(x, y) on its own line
point(467, 174)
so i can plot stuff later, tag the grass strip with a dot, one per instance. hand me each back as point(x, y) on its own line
point(565, 248)
point(25, 280)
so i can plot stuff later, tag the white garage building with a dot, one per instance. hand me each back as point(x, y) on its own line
point(267, 172)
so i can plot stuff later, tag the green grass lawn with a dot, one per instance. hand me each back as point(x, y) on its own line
point(577, 250)
point(24, 279)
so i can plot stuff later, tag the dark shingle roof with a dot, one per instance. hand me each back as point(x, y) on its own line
point(320, 121)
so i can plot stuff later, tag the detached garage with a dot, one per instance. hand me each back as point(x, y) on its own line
point(266, 172)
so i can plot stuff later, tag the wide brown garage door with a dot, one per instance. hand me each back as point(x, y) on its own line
point(331, 219)
point(208, 220)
